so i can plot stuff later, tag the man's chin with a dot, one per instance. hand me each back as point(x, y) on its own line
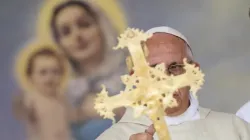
point(172, 111)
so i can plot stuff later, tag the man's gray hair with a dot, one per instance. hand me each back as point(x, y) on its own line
point(169, 30)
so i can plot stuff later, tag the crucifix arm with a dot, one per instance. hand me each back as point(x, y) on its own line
point(105, 104)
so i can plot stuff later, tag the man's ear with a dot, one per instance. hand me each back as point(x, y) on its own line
point(196, 64)
point(131, 72)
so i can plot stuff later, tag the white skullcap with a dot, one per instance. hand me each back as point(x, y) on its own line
point(165, 29)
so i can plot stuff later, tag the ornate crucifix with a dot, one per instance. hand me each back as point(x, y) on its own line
point(149, 91)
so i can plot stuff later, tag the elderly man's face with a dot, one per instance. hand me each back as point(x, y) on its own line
point(169, 49)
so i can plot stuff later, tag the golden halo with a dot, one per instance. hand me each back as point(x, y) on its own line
point(114, 12)
point(21, 65)
point(111, 7)
point(43, 22)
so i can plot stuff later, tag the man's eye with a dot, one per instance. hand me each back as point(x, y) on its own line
point(173, 67)
point(176, 69)
point(153, 66)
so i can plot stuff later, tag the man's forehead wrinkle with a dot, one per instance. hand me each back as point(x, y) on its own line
point(170, 48)
point(166, 58)
point(158, 40)
point(166, 36)
point(165, 48)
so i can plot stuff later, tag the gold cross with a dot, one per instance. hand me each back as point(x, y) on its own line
point(149, 91)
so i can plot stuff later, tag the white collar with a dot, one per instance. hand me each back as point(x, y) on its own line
point(191, 114)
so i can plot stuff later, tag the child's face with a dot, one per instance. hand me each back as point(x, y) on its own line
point(46, 74)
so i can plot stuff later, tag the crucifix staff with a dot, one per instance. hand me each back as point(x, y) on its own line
point(149, 91)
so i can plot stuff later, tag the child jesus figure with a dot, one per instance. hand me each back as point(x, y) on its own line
point(43, 107)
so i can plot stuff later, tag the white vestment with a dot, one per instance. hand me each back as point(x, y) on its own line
point(211, 126)
point(191, 114)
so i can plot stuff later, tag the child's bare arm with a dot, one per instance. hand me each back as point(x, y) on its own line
point(21, 111)
point(18, 107)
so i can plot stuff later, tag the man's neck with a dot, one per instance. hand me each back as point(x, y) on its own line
point(172, 113)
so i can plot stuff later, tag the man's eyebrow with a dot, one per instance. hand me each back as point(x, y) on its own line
point(173, 63)
point(154, 65)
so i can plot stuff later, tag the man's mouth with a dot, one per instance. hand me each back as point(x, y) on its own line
point(176, 95)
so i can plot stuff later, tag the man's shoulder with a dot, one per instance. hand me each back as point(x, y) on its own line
point(121, 131)
point(230, 123)
point(223, 119)
point(215, 115)
point(127, 126)
point(226, 123)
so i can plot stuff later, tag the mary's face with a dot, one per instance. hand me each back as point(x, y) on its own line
point(79, 34)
